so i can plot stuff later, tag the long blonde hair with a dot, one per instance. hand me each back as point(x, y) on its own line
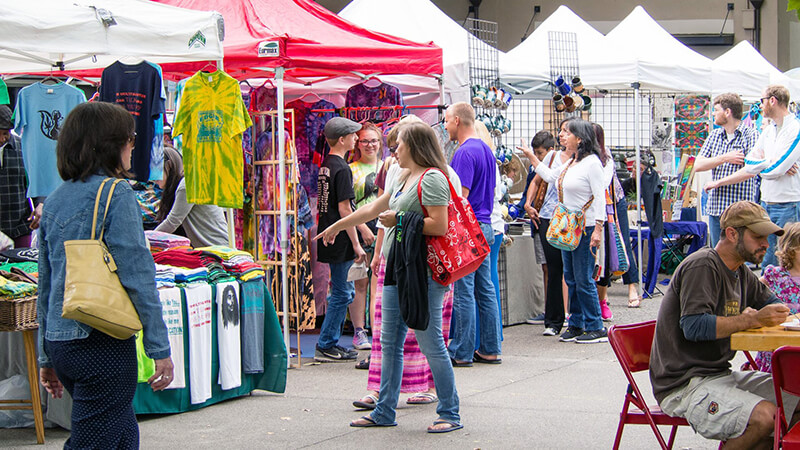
point(788, 245)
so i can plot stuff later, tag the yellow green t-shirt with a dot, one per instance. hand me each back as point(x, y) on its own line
point(212, 117)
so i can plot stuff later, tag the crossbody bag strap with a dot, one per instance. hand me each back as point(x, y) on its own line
point(96, 205)
point(560, 181)
point(108, 203)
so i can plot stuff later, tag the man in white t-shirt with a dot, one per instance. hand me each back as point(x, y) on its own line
point(774, 157)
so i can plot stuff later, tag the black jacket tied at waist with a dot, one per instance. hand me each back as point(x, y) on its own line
point(407, 267)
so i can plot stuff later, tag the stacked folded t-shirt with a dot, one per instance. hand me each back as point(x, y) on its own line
point(237, 262)
point(160, 241)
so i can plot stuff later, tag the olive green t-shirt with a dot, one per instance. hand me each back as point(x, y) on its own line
point(701, 284)
point(435, 192)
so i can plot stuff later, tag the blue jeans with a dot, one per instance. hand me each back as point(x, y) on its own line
point(342, 294)
point(494, 255)
point(713, 230)
point(431, 342)
point(584, 309)
point(632, 275)
point(781, 214)
point(475, 288)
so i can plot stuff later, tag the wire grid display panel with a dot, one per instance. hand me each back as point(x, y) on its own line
point(527, 119)
point(484, 59)
point(563, 51)
point(616, 112)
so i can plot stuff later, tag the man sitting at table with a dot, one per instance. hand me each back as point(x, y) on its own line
point(711, 296)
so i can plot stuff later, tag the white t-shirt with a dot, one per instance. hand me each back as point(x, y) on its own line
point(229, 343)
point(775, 152)
point(173, 318)
point(198, 304)
point(583, 180)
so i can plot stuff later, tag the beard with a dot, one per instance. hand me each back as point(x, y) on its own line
point(751, 257)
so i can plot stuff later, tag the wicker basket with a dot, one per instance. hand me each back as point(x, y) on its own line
point(18, 313)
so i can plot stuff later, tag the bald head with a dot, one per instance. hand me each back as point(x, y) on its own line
point(464, 112)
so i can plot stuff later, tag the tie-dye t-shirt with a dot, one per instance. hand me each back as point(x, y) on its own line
point(212, 118)
point(382, 95)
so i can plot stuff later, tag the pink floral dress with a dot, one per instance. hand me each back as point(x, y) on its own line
point(787, 288)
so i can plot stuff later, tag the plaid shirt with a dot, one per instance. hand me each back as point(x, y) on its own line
point(14, 206)
point(744, 138)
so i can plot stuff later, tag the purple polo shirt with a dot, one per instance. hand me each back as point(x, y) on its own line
point(474, 163)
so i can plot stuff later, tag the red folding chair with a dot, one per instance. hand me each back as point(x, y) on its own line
point(631, 344)
point(785, 370)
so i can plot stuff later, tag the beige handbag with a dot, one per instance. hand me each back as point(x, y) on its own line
point(93, 294)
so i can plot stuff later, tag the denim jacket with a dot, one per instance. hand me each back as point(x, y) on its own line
point(68, 215)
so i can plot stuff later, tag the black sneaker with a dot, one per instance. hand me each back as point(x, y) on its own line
point(593, 337)
point(334, 354)
point(571, 334)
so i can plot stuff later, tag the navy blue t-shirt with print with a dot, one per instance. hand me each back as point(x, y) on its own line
point(136, 88)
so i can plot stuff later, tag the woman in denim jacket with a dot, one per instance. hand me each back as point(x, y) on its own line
point(99, 371)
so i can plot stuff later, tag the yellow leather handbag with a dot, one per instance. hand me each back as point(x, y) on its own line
point(93, 294)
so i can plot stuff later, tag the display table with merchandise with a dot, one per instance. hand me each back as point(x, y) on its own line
point(521, 281)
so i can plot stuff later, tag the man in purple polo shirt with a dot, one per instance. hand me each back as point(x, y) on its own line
point(475, 165)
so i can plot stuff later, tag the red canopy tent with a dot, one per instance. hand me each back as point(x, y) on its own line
point(307, 40)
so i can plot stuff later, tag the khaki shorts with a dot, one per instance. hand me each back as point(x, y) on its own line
point(719, 407)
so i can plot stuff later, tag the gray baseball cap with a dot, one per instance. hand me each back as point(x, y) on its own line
point(5, 118)
point(339, 126)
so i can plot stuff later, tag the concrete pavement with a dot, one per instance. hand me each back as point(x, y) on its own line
point(545, 395)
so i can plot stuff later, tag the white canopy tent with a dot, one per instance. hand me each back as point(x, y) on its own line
point(91, 34)
point(421, 21)
point(745, 71)
point(527, 66)
point(661, 63)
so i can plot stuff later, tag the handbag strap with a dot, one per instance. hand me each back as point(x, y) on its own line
point(97, 205)
point(453, 193)
point(561, 187)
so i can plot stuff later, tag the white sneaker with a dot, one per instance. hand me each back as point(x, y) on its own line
point(361, 340)
point(549, 331)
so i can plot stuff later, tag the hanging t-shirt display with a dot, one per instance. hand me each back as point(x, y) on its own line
point(136, 88)
point(4, 99)
point(211, 118)
point(198, 304)
point(383, 94)
point(308, 127)
point(253, 327)
point(157, 150)
point(229, 344)
point(173, 318)
point(39, 115)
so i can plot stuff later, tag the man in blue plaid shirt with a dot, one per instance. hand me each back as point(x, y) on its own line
point(723, 153)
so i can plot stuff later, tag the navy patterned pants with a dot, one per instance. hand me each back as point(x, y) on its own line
point(100, 373)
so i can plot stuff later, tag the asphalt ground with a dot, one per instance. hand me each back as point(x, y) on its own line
point(545, 395)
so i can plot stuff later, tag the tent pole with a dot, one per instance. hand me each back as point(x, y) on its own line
point(636, 132)
point(229, 211)
point(441, 95)
point(284, 241)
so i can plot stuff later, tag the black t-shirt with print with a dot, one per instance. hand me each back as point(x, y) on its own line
point(334, 184)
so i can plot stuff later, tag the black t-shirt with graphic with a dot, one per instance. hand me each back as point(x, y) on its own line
point(334, 184)
point(136, 88)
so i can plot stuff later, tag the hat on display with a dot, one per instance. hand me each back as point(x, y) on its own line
point(339, 126)
point(750, 215)
point(5, 118)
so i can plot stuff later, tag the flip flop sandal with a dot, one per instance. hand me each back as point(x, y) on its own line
point(453, 426)
point(460, 363)
point(634, 302)
point(371, 423)
point(361, 404)
point(480, 359)
point(363, 364)
point(423, 398)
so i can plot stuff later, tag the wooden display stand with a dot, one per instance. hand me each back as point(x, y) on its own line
point(35, 402)
point(273, 261)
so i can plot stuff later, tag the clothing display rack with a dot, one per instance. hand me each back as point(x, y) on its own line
point(268, 181)
point(340, 111)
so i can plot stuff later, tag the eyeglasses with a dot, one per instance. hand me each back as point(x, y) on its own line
point(369, 142)
point(393, 149)
point(132, 138)
point(765, 98)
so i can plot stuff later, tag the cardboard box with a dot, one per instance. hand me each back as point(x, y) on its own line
point(666, 209)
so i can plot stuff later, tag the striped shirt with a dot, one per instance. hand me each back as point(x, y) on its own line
point(744, 138)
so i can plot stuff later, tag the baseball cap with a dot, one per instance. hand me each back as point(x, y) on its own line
point(750, 215)
point(5, 118)
point(339, 126)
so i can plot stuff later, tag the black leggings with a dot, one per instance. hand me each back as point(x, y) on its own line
point(554, 298)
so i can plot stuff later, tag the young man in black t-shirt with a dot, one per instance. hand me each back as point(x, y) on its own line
point(335, 186)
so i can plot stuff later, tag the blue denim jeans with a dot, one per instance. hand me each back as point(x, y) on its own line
point(713, 230)
point(475, 288)
point(342, 294)
point(431, 342)
point(781, 214)
point(584, 309)
point(495, 256)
